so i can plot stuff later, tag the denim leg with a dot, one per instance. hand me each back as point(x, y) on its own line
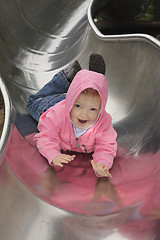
point(52, 93)
point(57, 85)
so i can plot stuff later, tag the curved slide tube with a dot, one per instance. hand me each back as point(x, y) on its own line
point(37, 39)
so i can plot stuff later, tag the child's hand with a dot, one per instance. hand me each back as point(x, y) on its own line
point(63, 158)
point(100, 169)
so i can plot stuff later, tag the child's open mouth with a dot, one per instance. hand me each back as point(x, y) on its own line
point(82, 121)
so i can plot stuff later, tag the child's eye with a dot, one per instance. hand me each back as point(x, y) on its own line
point(93, 109)
point(77, 105)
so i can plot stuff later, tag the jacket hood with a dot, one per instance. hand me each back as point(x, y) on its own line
point(87, 79)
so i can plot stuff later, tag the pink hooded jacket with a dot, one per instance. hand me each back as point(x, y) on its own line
point(56, 130)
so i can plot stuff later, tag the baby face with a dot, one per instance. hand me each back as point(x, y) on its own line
point(85, 110)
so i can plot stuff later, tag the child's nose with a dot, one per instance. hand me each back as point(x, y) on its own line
point(84, 113)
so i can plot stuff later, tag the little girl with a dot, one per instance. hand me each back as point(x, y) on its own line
point(77, 122)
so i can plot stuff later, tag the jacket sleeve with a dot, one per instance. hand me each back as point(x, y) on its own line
point(106, 145)
point(47, 140)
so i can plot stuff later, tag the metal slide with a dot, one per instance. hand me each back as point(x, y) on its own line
point(37, 39)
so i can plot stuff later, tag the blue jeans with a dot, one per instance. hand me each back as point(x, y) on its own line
point(52, 93)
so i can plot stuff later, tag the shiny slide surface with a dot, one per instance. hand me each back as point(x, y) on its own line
point(37, 39)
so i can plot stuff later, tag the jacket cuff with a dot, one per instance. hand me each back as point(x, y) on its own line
point(52, 157)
